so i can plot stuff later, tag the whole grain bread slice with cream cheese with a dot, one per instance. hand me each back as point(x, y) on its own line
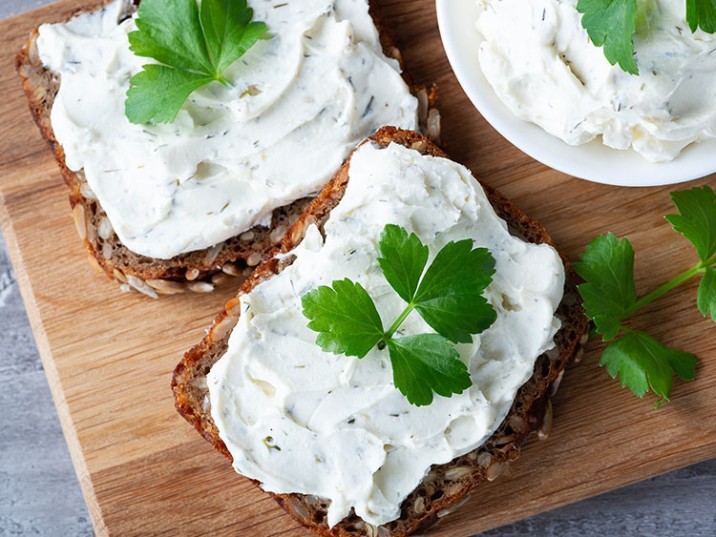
point(197, 271)
point(446, 485)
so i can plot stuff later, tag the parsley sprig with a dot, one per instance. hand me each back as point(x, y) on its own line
point(448, 296)
point(610, 297)
point(612, 24)
point(193, 45)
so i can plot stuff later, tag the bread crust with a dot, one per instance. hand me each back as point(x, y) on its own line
point(445, 485)
point(194, 271)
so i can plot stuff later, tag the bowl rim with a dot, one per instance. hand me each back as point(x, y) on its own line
point(592, 161)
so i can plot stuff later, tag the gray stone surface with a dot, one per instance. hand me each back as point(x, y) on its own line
point(40, 495)
point(8, 8)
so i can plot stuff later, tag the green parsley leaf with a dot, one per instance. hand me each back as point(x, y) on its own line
point(697, 221)
point(609, 296)
point(170, 32)
point(612, 24)
point(706, 295)
point(402, 258)
point(450, 297)
point(193, 47)
point(425, 364)
point(641, 363)
point(701, 13)
point(644, 10)
point(607, 267)
point(159, 91)
point(345, 318)
point(229, 31)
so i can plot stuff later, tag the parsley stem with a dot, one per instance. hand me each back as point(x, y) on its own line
point(665, 288)
point(399, 321)
point(220, 78)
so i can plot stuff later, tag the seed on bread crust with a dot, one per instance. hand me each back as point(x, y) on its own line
point(221, 329)
point(192, 274)
point(517, 423)
point(95, 264)
point(119, 276)
point(434, 125)
point(104, 230)
point(254, 259)
point(495, 470)
point(87, 192)
point(556, 383)
point(78, 214)
point(278, 233)
point(167, 287)
point(448, 510)
point(546, 427)
point(141, 286)
point(457, 472)
point(219, 279)
point(484, 459)
point(201, 287)
point(231, 270)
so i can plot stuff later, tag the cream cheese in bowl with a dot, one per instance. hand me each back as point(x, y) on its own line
point(542, 65)
point(298, 419)
point(527, 77)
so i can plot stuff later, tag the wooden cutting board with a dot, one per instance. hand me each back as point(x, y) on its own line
point(109, 356)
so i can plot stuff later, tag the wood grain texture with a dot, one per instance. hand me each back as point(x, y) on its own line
point(108, 356)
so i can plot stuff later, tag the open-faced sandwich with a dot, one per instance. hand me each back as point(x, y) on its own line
point(367, 393)
point(166, 195)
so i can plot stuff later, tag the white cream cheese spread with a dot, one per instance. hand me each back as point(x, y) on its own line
point(542, 65)
point(300, 102)
point(298, 419)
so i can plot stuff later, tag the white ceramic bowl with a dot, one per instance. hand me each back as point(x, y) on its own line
point(593, 161)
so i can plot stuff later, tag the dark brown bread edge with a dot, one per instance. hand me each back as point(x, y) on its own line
point(196, 271)
point(446, 485)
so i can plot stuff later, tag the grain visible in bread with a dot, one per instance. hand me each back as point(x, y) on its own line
point(183, 272)
point(446, 485)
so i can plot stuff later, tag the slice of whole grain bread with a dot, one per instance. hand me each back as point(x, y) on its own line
point(446, 485)
point(197, 271)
